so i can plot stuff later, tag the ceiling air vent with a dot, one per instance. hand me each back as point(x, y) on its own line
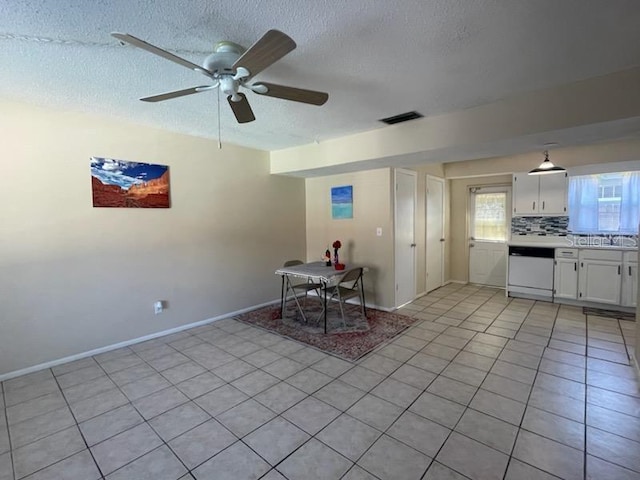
point(403, 117)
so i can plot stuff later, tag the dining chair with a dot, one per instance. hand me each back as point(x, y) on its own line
point(348, 286)
point(300, 287)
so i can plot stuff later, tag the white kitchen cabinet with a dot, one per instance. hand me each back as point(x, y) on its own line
point(600, 276)
point(526, 194)
point(553, 194)
point(566, 273)
point(630, 279)
point(539, 194)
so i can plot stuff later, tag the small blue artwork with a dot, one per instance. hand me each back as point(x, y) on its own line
point(342, 202)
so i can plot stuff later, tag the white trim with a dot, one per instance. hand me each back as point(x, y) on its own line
point(461, 282)
point(604, 168)
point(126, 343)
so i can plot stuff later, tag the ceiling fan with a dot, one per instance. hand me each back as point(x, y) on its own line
point(231, 67)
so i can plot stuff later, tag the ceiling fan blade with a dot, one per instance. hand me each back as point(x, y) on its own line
point(269, 49)
point(290, 93)
point(136, 42)
point(241, 109)
point(176, 94)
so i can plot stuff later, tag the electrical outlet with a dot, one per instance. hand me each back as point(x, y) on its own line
point(158, 307)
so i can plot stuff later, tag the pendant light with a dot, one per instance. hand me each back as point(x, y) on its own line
point(546, 167)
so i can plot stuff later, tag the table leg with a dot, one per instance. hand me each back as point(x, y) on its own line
point(324, 284)
point(364, 306)
point(282, 296)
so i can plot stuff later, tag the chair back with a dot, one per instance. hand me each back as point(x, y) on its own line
point(292, 263)
point(351, 276)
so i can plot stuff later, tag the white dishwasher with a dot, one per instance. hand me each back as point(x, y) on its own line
point(531, 272)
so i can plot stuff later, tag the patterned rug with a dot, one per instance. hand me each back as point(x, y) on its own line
point(352, 341)
point(609, 313)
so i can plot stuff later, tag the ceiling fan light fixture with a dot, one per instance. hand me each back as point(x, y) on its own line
point(547, 167)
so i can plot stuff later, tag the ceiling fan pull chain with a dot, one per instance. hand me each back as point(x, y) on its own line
point(219, 136)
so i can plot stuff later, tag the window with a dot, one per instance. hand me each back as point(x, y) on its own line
point(605, 203)
point(489, 222)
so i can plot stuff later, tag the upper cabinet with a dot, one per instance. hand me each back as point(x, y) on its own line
point(539, 194)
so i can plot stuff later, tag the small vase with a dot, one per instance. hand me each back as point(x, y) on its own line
point(336, 261)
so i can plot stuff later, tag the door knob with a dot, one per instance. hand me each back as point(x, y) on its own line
point(413, 245)
point(471, 245)
point(442, 239)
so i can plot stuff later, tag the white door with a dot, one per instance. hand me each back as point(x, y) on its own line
point(405, 247)
point(435, 232)
point(489, 227)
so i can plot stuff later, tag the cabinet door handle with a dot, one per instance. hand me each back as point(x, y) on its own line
point(575, 267)
point(618, 269)
point(629, 270)
point(534, 205)
point(543, 205)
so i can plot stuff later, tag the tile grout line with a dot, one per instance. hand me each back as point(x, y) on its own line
point(451, 430)
point(6, 419)
point(586, 374)
point(353, 365)
point(520, 428)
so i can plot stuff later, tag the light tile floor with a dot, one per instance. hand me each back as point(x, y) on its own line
point(480, 387)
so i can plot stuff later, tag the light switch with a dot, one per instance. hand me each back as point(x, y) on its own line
point(379, 231)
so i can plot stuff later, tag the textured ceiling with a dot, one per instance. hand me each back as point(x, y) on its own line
point(376, 58)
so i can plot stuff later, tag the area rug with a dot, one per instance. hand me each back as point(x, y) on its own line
point(350, 342)
point(629, 316)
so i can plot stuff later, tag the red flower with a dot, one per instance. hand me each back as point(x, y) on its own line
point(337, 244)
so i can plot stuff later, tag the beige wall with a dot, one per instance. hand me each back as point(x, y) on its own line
point(75, 278)
point(579, 112)
point(459, 192)
point(372, 208)
point(625, 150)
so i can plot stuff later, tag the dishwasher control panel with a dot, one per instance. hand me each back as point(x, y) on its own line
point(536, 252)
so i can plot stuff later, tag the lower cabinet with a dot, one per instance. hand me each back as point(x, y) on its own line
point(600, 276)
point(596, 275)
point(630, 279)
point(565, 282)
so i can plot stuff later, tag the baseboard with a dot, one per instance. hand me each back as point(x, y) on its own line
point(356, 302)
point(126, 343)
point(460, 282)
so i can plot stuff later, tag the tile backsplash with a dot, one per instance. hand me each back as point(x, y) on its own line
point(542, 226)
point(558, 227)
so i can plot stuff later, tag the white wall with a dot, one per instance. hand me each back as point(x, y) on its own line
point(372, 208)
point(74, 278)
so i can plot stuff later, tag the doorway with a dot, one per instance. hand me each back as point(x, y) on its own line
point(489, 226)
point(435, 233)
point(405, 247)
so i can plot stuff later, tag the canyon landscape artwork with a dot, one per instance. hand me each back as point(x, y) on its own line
point(119, 183)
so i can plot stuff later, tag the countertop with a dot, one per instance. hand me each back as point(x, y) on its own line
point(564, 242)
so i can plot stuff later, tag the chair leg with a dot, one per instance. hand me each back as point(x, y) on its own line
point(344, 323)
